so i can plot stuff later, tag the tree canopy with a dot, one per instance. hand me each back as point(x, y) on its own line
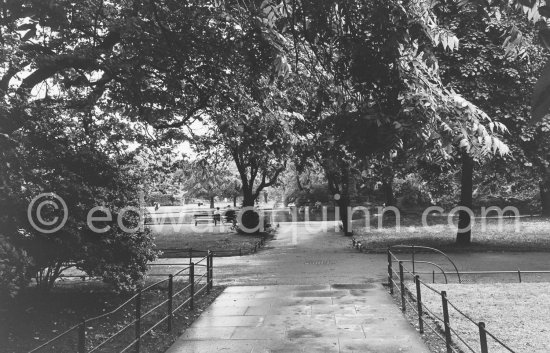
point(93, 90)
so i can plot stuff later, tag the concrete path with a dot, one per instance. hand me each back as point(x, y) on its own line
point(301, 318)
point(309, 291)
point(294, 301)
point(300, 255)
point(297, 255)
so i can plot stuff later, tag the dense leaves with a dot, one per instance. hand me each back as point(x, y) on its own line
point(93, 91)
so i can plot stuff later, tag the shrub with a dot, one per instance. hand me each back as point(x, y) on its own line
point(14, 264)
point(309, 197)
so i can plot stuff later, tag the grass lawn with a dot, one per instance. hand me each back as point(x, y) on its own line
point(203, 237)
point(34, 318)
point(517, 314)
point(532, 235)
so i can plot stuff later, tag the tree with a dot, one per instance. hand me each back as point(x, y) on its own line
point(58, 60)
point(516, 42)
point(501, 86)
point(258, 142)
point(54, 154)
point(519, 43)
point(209, 177)
point(367, 69)
point(301, 181)
point(248, 120)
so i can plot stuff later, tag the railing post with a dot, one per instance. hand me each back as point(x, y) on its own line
point(483, 338)
point(192, 286)
point(390, 272)
point(402, 283)
point(413, 259)
point(419, 303)
point(208, 272)
point(211, 270)
point(138, 322)
point(82, 337)
point(190, 256)
point(448, 339)
point(170, 297)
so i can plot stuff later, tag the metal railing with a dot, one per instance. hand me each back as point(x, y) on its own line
point(196, 279)
point(517, 274)
point(189, 253)
point(415, 248)
point(449, 335)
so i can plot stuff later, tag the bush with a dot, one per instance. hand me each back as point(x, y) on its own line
point(14, 264)
point(309, 197)
point(43, 159)
point(163, 199)
point(412, 191)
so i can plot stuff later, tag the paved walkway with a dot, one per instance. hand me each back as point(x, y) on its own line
point(289, 297)
point(308, 292)
point(302, 256)
point(301, 318)
point(298, 255)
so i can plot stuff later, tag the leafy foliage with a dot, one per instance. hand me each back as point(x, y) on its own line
point(55, 155)
point(14, 264)
point(208, 177)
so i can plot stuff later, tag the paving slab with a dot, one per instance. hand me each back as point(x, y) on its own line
point(296, 318)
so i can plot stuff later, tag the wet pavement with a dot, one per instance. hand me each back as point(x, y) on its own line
point(301, 318)
point(294, 296)
point(308, 291)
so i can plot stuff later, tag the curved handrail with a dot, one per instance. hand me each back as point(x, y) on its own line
point(430, 263)
point(431, 249)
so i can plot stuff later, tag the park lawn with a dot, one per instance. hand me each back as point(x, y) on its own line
point(516, 313)
point(532, 235)
point(33, 318)
point(207, 238)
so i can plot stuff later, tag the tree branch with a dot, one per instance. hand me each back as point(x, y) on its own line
point(271, 181)
point(201, 105)
point(4, 82)
point(65, 61)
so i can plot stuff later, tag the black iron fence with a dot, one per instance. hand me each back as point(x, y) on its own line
point(397, 280)
point(139, 318)
point(188, 253)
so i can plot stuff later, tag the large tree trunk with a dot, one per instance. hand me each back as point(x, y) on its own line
point(343, 204)
point(341, 196)
point(545, 199)
point(544, 186)
point(388, 192)
point(248, 198)
point(211, 201)
point(249, 219)
point(299, 183)
point(466, 190)
point(235, 201)
point(545, 196)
